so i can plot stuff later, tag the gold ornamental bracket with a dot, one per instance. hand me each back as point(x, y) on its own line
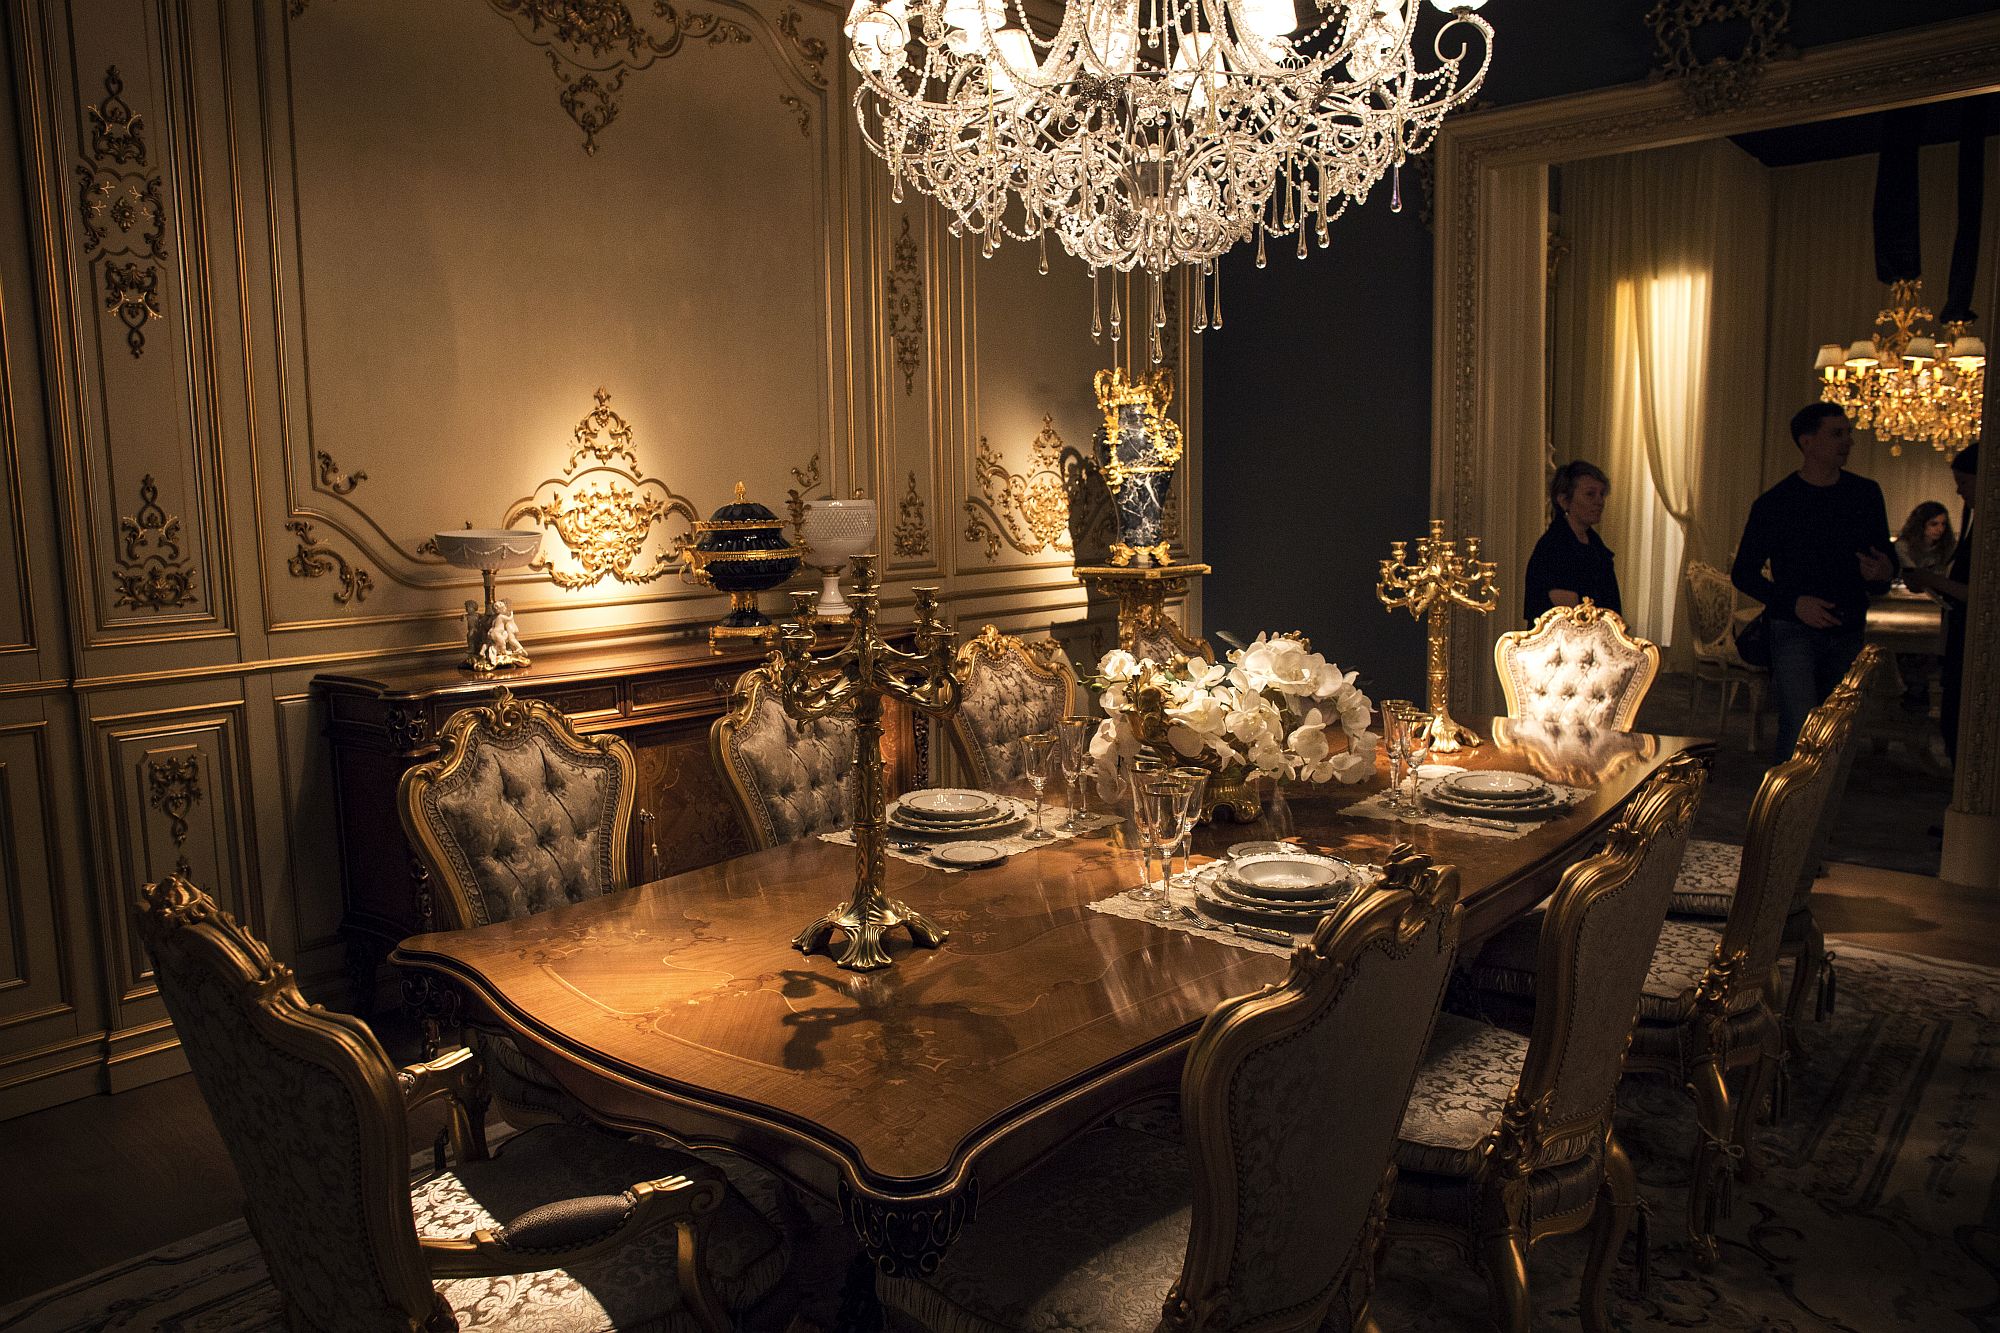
point(1441, 578)
point(603, 510)
point(1142, 592)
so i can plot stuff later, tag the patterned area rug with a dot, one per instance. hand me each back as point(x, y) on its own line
point(1879, 1208)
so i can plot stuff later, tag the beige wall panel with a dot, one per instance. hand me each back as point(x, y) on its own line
point(129, 245)
point(174, 793)
point(309, 859)
point(20, 406)
point(34, 981)
point(910, 391)
point(458, 276)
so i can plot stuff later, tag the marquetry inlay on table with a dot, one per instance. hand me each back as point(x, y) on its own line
point(902, 1095)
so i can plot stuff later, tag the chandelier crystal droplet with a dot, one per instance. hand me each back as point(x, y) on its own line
point(1154, 134)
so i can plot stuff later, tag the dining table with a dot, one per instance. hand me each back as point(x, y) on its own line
point(901, 1096)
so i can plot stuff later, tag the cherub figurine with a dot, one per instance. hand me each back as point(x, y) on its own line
point(491, 640)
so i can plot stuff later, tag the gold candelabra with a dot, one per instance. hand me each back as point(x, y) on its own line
point(854, 677)
point(1441, 578)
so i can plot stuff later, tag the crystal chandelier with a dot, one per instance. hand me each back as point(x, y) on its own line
point(1153, 134)
point(1905, 383)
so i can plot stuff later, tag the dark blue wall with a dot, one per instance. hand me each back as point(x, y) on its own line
point(1316, 392)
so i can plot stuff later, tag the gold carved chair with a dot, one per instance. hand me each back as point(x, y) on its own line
point(518, 813)
point(1508, 1138)
point(1008, 688)
point(1712, 605)
point(1576, 666)
point(614, 1234)
point(1706, 891)
point(1704, 1013)
point(1268, 1218)
point(787, 779)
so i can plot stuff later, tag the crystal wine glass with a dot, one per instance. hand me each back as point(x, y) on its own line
point(1037, 749)
point(1396, 742)
point(1417, 749)
point(1157, 800)
point(1074, 733)
point(1196, 780)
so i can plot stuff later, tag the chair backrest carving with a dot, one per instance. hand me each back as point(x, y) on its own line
point(1576, 665)
point(1166, 641)
point(1855, 682)
point(1598, 938)
point(1292, 1098)
point(1785, 821)
point(519, 812)
point(787, 779)
point(1008, 688)
point(1711, 609)
point(309, 1110)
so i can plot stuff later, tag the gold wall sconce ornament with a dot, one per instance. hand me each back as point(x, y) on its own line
point(853, 679)
point(1441, 578)
point(1028, 510)
point(741, 550)
point(492, 642)
point(1139, 450)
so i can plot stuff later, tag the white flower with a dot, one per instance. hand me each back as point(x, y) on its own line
point(1283, 664)
point(1118, 665)
point(1309, 741)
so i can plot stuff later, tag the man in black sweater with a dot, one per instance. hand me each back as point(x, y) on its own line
point(1825, 534)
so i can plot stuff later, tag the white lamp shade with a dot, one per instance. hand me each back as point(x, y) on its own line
point(1830, 357)
point(1198, 67)
point(1268, 18)
point(1862, 353)
point(1016, 63)
point(1111, 37)
point(1921, 349)
point(877, 34)
point(973, 19)
point(1968, 349)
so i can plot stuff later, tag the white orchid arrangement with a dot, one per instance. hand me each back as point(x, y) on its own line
point(1276, 708)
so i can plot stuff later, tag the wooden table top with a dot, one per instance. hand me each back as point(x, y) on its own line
point(681, 1004)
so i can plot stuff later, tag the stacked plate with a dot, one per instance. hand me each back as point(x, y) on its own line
point(1287, 890)
point(954, 812)
point(1495, 794)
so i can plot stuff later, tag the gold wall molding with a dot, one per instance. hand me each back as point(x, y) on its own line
point(313, 560)
point(1720, 82)
point(805, 480)
point(124, 219)
point(811, 51)
point(592, 45)
point(913, 525)
point(1028, 510)
point(151, 571)
point(906, 306)
point(797, 106)
point(173, 787)
point(604, 513)
point(332, 479)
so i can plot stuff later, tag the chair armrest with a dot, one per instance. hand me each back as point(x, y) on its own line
point(572, 1231)
point(458, 1080)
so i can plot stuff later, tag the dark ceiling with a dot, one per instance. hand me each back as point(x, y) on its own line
point(1825, 140)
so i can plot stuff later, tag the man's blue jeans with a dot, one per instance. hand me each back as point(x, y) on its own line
point(1806, 664)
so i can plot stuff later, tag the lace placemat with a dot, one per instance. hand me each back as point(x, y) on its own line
point(1375, 808)
point(904, 849)
point(1191, 922)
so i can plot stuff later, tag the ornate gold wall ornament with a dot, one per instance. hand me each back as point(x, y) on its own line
point(592, 45)
point(123, 216)
point(312, 561)
point(602, 512)
point(1720, 82)
point(1029, 510)
point(173, 786)
point(913, 526)
point(152, 572)
point(797, 106)
point(331, 478)
point(800, 495)
point(906, 306)
point(812, 51)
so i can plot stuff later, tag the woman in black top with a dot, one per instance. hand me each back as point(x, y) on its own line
point(1571, 561)
point(1955, 587)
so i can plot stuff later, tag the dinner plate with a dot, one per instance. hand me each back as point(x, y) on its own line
point(1446, 802)
point(1007, 812)
point(1287, 874)
point(949, 805)
point(1495, 786)
point(968, 855)
point(1239, 850)
point(1293, 907)
point(1219, 907)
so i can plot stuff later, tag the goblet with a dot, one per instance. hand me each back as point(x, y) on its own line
point(1156, 805)
point(1396, 728)
point(1073, 734)
point(1038, 748)
point(1196, 782)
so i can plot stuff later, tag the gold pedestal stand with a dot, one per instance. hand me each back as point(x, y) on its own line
point(853, 677)
point(1142, 592)
point(1439, 579)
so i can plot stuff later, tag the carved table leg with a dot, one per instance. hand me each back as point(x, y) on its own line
point(907, 1238)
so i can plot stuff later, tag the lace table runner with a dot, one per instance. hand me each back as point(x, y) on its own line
point(1374, 808)
point(898, 845)
point(1191, 922)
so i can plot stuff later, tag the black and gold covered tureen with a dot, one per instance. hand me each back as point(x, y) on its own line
point(742, 550)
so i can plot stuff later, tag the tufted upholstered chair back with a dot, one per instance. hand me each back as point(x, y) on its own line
point(1598, 939)
point(1008, 688)
point(1576, 665)
point(1785, 826)
point(1711, 608)
point(1167, 642)
point(519, 813)
point(1291, 1099)
point(788, 779)
point(309, 1110)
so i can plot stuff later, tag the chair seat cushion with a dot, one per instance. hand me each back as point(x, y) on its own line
point(1092, 1239)
point(1706, 886)
point(632, 1287)
point(1468, 1072)
point(1665, 1045)
point(1506, 965)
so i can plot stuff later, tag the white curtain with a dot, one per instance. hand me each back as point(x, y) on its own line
point(1659, 362)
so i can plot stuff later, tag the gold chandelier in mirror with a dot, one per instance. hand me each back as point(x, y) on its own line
point(1909, 382)
point(1154, 134)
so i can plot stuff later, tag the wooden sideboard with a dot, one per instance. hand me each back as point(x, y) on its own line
point(660, 699)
